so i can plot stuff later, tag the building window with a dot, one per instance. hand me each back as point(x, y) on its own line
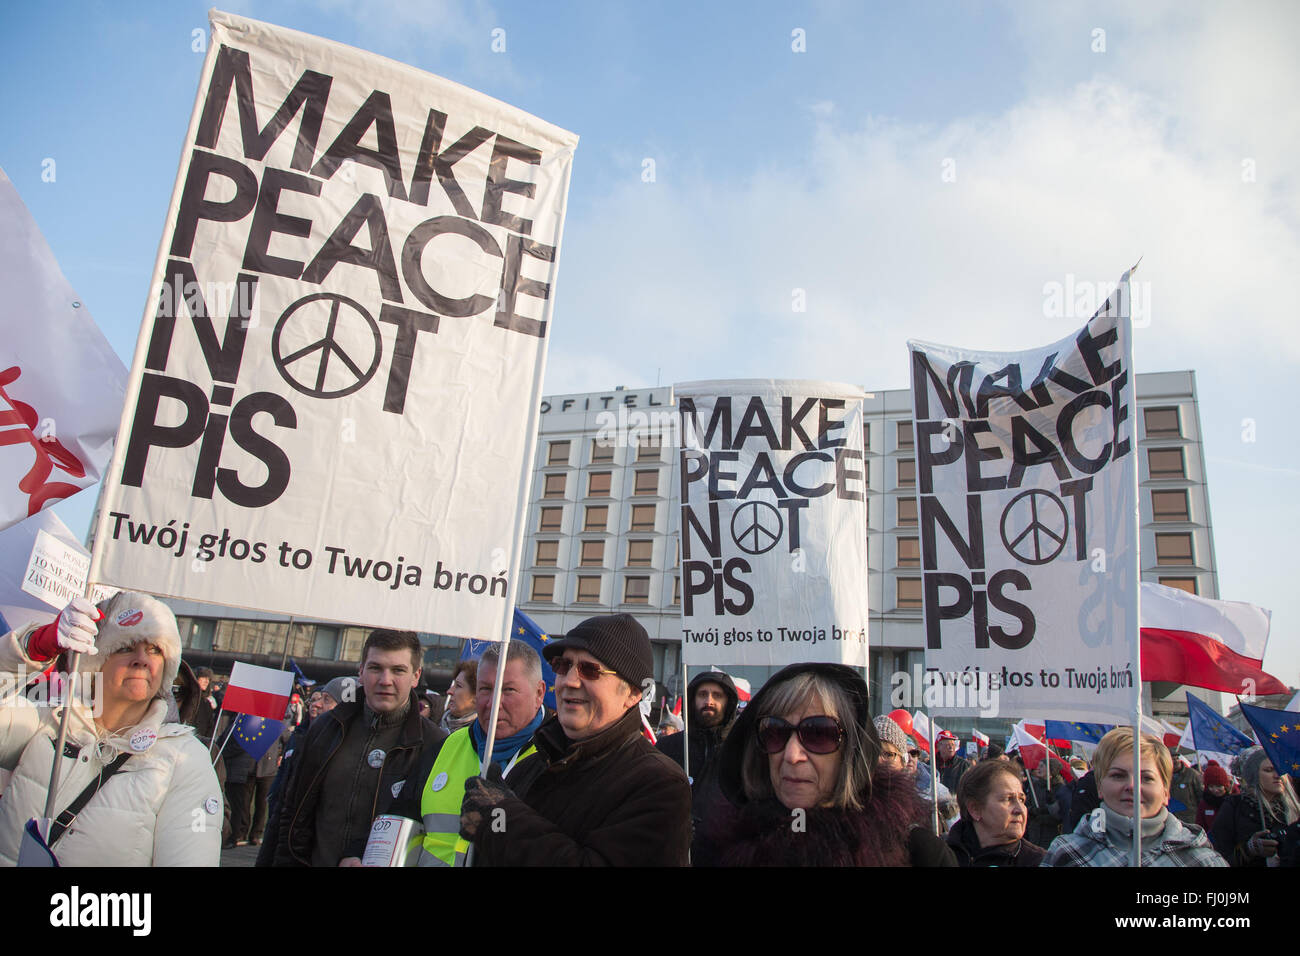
point(601, 451)
point(557, 453)
point(588, 590)
point(551, 519)
point(648, 448)
point(598, 484)
point(554, 487)
point(909, 592)
point(909, 552)
point(1169, 506)
point(866, 435)
point(593, 554)
point(647, 483)
point(1162, 423)
point(1174, 549)
point(639, 553)
point(636, 590)
point(907, 511)
point(325, 644)
point(906, 436)
point(1190, 585)
point(596, 518)
point(544, 587)
point(547, 553)
point(1166, 463)
point(677, 591)
point(906, 472)
point(643, 517)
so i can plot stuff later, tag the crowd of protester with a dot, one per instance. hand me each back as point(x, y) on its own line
point(801, 774)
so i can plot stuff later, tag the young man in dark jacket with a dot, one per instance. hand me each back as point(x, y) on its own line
point(355, 759)
point(596, 792)
point(713, 699)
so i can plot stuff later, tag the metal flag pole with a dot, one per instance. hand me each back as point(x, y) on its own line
point(686, 726)
point(288, 638)
point(934, 777)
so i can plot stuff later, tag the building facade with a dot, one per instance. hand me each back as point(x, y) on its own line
point(603, 520)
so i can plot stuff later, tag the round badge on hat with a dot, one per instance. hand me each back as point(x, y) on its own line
point(212, 805)
point(439, 782)
point(375, 758)
point(130, 617)
point(142, 740)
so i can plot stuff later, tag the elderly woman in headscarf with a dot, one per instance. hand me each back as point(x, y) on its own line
point(1104, 837)
point(797, 783)
point(1257, 827)
point(148, 793)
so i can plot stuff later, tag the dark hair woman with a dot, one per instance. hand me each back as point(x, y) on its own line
point(993, 816)
point(796, 783)
point(1257, 827)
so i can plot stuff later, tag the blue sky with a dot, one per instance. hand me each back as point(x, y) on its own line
point(917, 170)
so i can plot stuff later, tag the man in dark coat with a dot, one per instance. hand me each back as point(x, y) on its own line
point(596, 792)
point(713, 698)
point(355, 759)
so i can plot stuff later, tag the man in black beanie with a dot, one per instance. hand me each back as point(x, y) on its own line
point(596, 792)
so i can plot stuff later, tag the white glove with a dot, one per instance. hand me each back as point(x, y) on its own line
point(73, 630)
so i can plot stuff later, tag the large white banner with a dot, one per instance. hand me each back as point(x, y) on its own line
point(335, 388)
point(61, 383)
point(1026, 466)
point(774, 523)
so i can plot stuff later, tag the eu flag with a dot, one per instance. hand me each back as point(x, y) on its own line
point(1212, 732)
point(256, 735)
point(1073, 730)
point(524, 629)
point(1279, 733)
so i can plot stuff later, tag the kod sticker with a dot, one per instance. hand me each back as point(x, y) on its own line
point(130, 617)
point(143, 740)
point(375, 758)
point(439, 782)
point(212, 805)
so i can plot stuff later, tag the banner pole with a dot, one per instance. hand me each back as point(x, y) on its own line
point(288, 638)
point(934, 776)
point(229, 733)
point(686, 724)
point(1137, 790)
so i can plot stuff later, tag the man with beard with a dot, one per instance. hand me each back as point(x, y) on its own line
point(713, 700)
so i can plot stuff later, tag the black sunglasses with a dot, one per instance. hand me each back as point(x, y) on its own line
point(587, 670)
point(817, 735)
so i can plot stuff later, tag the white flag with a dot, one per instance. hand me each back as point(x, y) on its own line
point(333, 404)
point(774, 523)
point(1027, 505)
point(61, 383)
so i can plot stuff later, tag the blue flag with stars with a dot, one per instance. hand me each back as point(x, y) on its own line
point(1279, 733)
point(256, 735)
point(524, 629)
point(1212, 732)
point(1073, 730)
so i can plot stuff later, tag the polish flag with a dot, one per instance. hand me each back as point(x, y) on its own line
point(260, 691)
point(980, 739)
point(1218, 645)
point(1032, 749)
point(921, 730)
point(742, 689)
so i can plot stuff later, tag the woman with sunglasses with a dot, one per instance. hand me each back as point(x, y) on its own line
point(797, 783)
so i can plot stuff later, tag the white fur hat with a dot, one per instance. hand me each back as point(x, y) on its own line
point(129, 618)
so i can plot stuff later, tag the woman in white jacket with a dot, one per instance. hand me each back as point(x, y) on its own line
point(162, 807)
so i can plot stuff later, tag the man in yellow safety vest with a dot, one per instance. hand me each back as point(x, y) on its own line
point(434, 792)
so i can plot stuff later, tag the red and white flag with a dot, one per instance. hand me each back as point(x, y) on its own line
point(61, 383)
point(1218, 645)
point(980, 739)
point(921, 730)
point(260, 691)
point(1032, 749)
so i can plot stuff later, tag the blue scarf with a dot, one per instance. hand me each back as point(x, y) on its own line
point(505, 748)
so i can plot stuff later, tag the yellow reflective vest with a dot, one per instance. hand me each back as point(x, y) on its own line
point(442, 795)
